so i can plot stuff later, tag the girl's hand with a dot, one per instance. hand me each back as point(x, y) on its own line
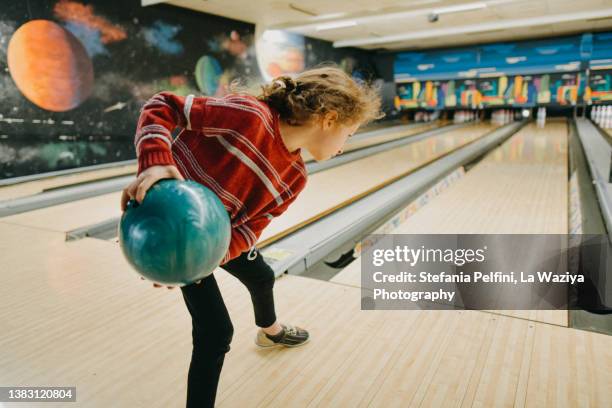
point(139, 187)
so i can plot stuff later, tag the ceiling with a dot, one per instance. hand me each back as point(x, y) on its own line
point(404, 25)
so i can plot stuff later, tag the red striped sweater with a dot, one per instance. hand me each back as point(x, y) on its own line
point(233, 146)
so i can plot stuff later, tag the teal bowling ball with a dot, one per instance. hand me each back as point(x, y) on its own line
point(178, 234)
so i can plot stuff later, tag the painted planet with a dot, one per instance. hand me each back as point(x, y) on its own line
point(279, 52)
point(207, 74)
point(50, 66)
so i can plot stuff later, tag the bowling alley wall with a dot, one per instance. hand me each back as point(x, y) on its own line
point(74, 74)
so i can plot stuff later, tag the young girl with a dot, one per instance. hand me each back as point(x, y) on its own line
point(248, 151)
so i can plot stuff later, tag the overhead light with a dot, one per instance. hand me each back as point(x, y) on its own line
point(475, 28)
point(302, 10)
point(329, 16)
point(335, 24)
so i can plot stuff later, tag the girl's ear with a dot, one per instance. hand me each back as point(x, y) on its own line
point(330, 119)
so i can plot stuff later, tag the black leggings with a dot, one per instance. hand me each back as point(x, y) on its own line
point(212, 327)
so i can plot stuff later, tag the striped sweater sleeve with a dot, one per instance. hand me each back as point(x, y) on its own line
point(159, 116)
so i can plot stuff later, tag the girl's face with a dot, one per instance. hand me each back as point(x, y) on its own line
point(330, 137)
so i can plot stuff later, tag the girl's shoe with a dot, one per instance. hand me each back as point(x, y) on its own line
point(291, 336)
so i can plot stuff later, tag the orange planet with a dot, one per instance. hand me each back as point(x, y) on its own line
point(50, 66)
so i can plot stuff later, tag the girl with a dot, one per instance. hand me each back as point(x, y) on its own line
point(247, 150)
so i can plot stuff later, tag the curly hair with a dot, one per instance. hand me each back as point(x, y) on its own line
point(320, 90)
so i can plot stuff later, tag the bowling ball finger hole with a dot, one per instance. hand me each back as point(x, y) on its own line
point(132, 203)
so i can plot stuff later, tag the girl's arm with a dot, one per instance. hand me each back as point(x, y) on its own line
point(158, 118)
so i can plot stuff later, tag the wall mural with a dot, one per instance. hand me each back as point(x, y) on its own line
point(518, 91)
point(563, 71)
point(75, 73)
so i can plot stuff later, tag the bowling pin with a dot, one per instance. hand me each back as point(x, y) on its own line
point(600, 114)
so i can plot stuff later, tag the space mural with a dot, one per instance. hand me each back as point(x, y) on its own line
point(76, 73)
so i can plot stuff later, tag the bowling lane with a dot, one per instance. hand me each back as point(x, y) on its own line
point(69, 216)
point(518, 188)
point(29, 188)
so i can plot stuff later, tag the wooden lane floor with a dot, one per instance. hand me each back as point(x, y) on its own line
point(74, 313)
point(33, 187)
point(69, 216)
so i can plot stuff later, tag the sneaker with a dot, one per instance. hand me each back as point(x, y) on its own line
point(291, 336)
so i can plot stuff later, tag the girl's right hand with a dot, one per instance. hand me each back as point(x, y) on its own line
point(139, 187)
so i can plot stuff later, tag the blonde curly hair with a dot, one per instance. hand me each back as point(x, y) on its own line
point(317, 91)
